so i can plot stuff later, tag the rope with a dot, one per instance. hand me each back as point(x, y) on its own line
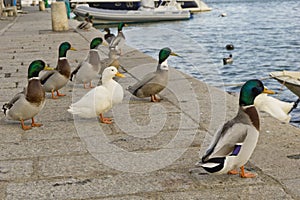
point(242, 83)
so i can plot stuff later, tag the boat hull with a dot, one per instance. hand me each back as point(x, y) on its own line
point(190, 5)
point(290, 79)
point(104, 16)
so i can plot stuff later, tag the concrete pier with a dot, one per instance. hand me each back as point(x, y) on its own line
point(151, 149)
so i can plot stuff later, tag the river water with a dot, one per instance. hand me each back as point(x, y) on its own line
point(265, 34)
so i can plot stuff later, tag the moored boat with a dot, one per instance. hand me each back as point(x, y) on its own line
point(106, 16)
point(290, 79)
point(190, 5)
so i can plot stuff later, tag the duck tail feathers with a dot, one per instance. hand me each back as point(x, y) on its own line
point(295, 105)
point(131, 90)
point(213, 165)
point(6, 107)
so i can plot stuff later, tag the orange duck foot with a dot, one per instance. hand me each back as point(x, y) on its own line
point(243, 174)
point(33, 124)
point(59, 94)
point(24, 127)
point(233, 172)
point(105, 120)
point(154, 98)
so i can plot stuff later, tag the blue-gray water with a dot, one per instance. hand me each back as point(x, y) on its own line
point(266, 36)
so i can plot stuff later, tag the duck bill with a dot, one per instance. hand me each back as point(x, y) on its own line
point(125, 25)
point(47, 68)
point(73, 49)
point(174, 54)
point(120, 75)
point(267, 91)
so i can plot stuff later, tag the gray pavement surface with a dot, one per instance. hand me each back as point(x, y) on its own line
point(151, 149)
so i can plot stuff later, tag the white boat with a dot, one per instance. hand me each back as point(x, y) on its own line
point(190, 5)
point(290, 79)
point(106, 16)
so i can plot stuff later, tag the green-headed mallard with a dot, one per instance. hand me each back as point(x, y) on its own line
point(28, 103)
point(101, 98)
point(54, 80)
point(154, 82)
point(235, 142)
point(118, 42)
point(88, 69)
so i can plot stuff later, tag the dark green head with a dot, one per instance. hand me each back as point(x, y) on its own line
point(164, 54)
point(63, 48)
point(96, 42)
point(35, 67)
point(121, 25)
point(90, 18)
point(250, 90)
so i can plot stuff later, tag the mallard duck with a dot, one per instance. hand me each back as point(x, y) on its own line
point(154, 82)
point(54, 80)
point(234, 143)
point(229, 47)
point(28, 103)
point(276, 108)
point(228, 60)
point(88, 69)
point(118, 42)
point(87, 24)
point(108, 36)
point(101, 98)
point(223, 15)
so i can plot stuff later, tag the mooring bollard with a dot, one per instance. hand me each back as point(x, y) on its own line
point(59, 17)
point(42, 5)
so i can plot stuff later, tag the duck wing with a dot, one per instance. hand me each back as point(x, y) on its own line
point(96, 100)
point(119, 40)
point(46, 76)
point(10, 104)
point(82, 25)
point(146, 79)
point(225, 139)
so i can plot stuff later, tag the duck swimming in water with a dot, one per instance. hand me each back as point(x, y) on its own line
point(228, 60)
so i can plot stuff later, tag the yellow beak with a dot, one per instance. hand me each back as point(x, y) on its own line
point(47, 68)
point(174, 54)
point(120, 75)
point(72, 48)
point(267, 91)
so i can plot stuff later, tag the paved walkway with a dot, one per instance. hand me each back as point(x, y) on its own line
point(150, 150)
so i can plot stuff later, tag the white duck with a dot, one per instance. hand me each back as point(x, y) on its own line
point(276, 108)
point(101, 98)
point(233, 145)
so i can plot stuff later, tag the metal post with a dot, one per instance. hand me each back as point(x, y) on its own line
point(1, 9)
